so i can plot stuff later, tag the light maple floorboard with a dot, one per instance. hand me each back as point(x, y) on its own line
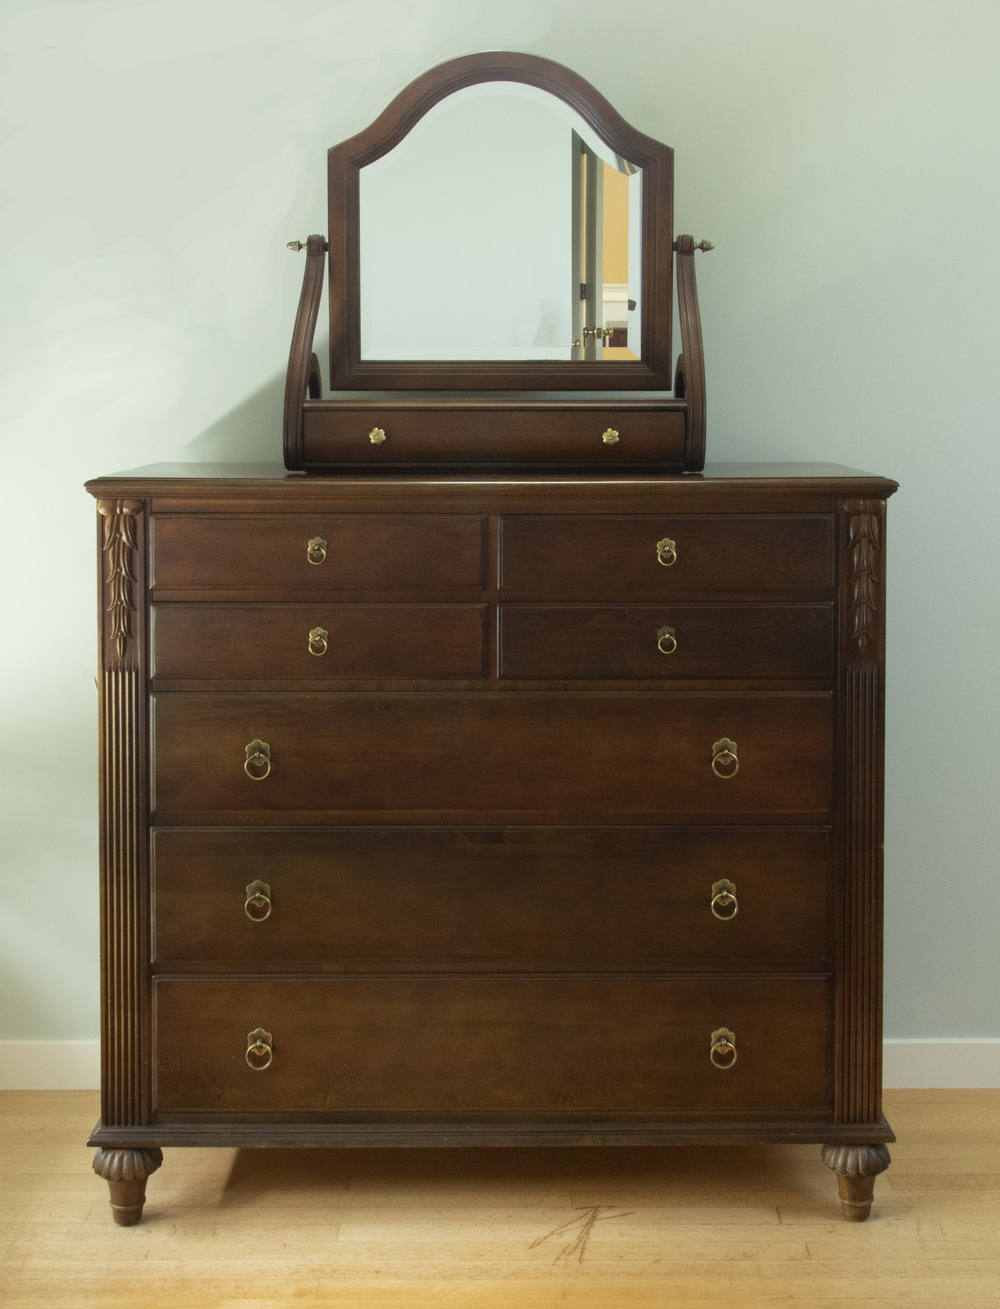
point(737, 1227)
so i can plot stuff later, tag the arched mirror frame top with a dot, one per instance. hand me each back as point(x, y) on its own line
point(348, 371)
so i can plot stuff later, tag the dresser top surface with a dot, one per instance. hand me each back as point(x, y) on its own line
point(212, 479)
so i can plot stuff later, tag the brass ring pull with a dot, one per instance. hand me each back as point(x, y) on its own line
point(723, 1048)
point(666, 552)
point(258, 898)
point(724, 897)
point(318, 641)
point(724, 761)
point(258, 758)
point(316, 550)
point(610, 437)
point(259, 1048)
point(666, 640)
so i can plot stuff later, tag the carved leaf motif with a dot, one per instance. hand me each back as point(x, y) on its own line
point(119, 548)
point(864, 545)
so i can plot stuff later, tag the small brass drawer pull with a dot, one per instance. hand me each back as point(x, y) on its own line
point(724, 897)
point(376, 435)
point(258, 899)
point(724, 761)
point(316, 550)
point(666, 552)
point(258, 760)
point(318, 638)
point(723, 1050)
point(610, 437)
point(259, 1053)
point(666, 640)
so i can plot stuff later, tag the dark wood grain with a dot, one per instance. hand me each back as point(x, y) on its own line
point(742, 642)
point(363, 552)
point(597, 757)
point(514, 900)
point(422, 1044)
point(261, 642)
point(595, 556)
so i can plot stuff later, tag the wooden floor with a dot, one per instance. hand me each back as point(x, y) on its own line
point(720, 1228)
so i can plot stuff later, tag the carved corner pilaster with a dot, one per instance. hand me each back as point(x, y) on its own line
point(856, 1167)
point(119, 548)
point(865, 581)
point(125, 1171)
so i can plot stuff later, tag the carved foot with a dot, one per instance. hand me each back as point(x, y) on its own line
point(125, 1172)
point(856, 1167)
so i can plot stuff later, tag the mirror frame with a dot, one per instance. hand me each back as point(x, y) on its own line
point(348, 371)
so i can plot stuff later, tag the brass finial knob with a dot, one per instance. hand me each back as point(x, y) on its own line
point(704, 245)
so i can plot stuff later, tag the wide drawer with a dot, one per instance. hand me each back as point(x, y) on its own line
point(453, 1044)
point(514, 900)
point(597, 556)
point(318, 641)
point(666, 640)
point(600, 757)
point(536, 435)
point(318, 552)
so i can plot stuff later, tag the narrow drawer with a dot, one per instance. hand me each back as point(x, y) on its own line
point(318, 552)
point(536, 435)
point(481, 1045)
point(668, 641)
point(594, 557)
point(318, 641)
point(602, 757)
point(515, 900)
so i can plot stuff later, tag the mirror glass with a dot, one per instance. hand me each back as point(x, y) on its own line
point(500, 228)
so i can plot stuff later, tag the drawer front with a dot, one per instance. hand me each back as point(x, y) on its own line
point(535, 436)
point(590, 756)
point(318, 641)
point(594, 557)
point(482, 1045)
point(516, 900)
point(319, 552)
point(666, 640)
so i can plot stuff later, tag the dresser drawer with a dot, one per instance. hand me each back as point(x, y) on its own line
point(336, 435)
point(594, 756)
point(319, 552)
point(666, 640)
point(594, 557)
point(490, 1045)
point(514, 900)
point(318, 641)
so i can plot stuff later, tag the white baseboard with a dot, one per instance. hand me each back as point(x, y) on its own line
point(50, 1065)
point(938, 1064)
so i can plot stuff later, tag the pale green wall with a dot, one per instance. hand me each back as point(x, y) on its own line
point(842, 156)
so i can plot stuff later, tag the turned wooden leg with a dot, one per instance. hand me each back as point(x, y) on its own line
point(856, 1167)
point(125, 1172)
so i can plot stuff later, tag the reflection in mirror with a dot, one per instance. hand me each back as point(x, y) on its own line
point(500, 228)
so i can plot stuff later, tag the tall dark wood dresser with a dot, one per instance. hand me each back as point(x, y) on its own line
point(497, 797)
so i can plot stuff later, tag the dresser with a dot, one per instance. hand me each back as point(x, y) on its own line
point(491, 809)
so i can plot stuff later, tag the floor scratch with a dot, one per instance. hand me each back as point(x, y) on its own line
point(583, 1226)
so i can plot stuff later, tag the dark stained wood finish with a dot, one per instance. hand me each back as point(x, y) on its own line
point(424, 1045)
point(604, 758)
point(490, 896)
point(125, 1171)
point(602, 557)
point(497, 900)
point(364, 552)
point(554, 434)
point(261, 642)
point(747, 641)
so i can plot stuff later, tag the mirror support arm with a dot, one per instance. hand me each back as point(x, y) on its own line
point(689, 383)
point(303, 376)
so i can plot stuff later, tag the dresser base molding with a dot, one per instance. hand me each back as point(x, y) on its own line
point(395, 1135)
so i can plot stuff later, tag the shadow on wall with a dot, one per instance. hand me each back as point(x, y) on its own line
point(250, 433)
